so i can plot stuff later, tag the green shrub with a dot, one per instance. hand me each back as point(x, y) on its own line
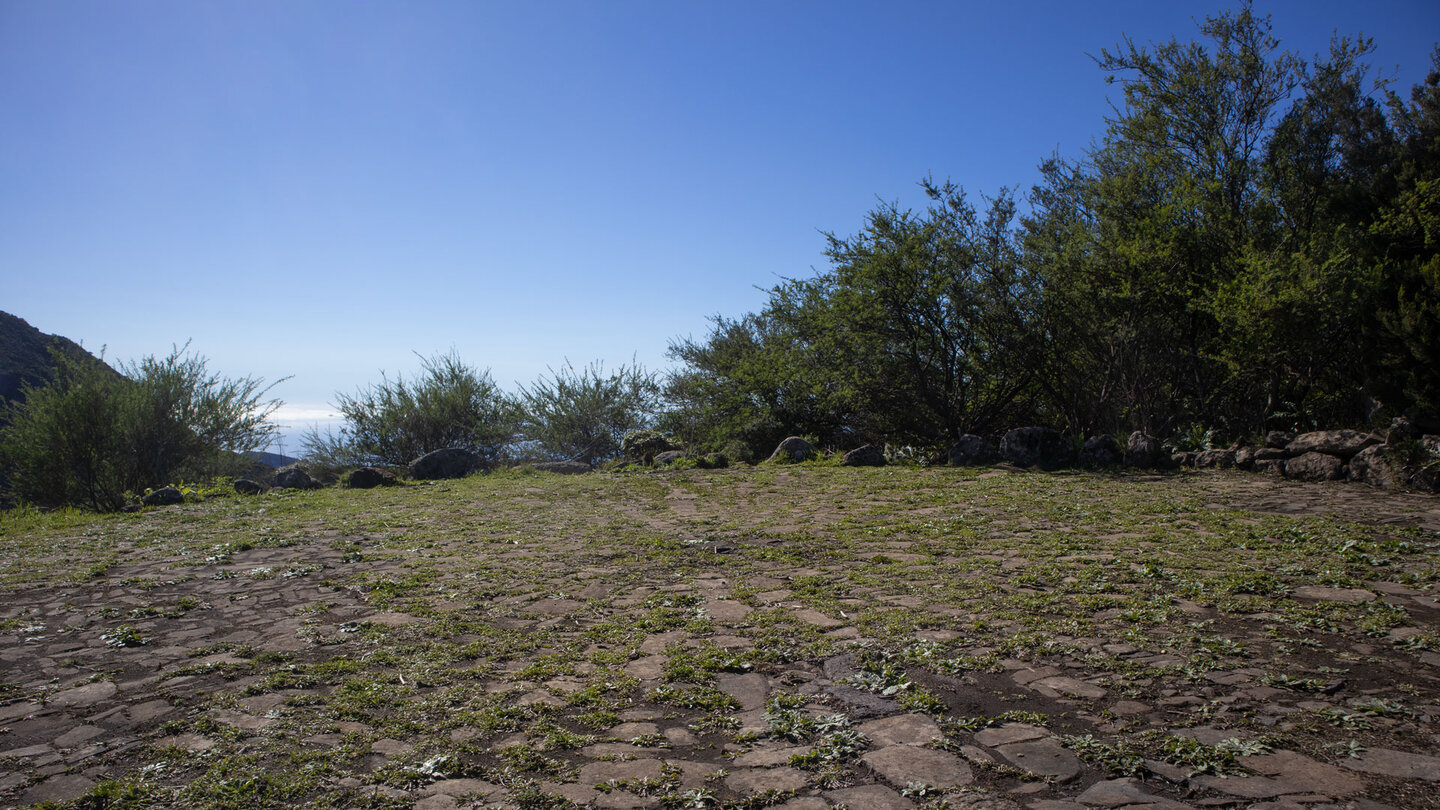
point(94, 438)
point(643, 445)
point(582, 415)
point(395, 422)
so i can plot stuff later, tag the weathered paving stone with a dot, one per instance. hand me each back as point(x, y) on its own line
point(804, 803)
point(83, 696)
point(1322, 593)
point(1009, 733)
point(727, 611)
point(1045, 758)
point(749, 689)
point(1125, 792)
point(764, 757)
point(242, 721)
point(750, 781)
point(903, 729)
point(870, 797)
point(595, 773)
point(1400, 764)
point(1062, 685)
point(460, 787)
point(77, 735)
point(60, 788)
point(902, 764)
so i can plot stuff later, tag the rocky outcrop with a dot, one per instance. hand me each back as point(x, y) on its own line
point(1278, 439)
point(972, 450)
point(1374, 467)
point(369, 478)
point(867, 456)
point(245, 486)
point(164, 496)
point(451, 462)
point(1342, 443)
point(1037, 447)
point(1314, 466)
point(1222, 459)
point(1101, 451)
point(294, 477)
point(669, 457)
point(793, 449)
point(1142, 450)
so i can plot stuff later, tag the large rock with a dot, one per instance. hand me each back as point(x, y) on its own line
point(669, 457)
point(1245, 458)
point(451, 462)
point(793, 449)
point(1036, 447)
point(867, 456)
point(1271, 454)
point(369, 478)
point(1315, 467)
point(164, 496)
point(1223, 459)
point(1142, 450)
point(563, 467)
point(1402, 429)
point(973, 450)
point(294, 477)
point(1269, 466)
point(1342, 443)
point(245, 486)
point(1372, 466)
point(1278, 439)
point(1101, 451)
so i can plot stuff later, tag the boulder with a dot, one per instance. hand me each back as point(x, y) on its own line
point(973, 450)
point(1278, 439)
point(1036, 446)
point(1271, 454)
point(1182, 459)
point(867, 456)
point(1223, 459)
point(668, 457)
point(1402, 429)
point(369, 478)
point(713, 461)
point(563, 467)
point(1269, 466)
point(1372, 466)
point(1342, 443)
point(451, 462)
point(1142, 450)
point(1426, 478)
point(1245, 458)
point(245, 486)
point(1314, 466)
point(1101, 451)
point(793, 449)
point(293, 477)
point(164, 496)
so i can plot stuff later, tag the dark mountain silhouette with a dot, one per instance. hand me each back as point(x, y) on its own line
point(271, 459)
point(25, 356)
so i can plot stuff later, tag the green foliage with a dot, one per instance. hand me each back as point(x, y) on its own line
point(451, 404)
point(93, 438)
point(644, 444)
point(582, 415)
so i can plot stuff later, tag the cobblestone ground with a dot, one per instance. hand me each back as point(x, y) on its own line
point(801, 639)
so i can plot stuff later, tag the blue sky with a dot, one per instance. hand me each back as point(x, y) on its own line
point(322, 189)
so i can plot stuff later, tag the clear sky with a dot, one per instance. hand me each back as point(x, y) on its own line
point(322, 189)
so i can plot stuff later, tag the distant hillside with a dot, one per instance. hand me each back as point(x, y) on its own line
point(271, 459)
point(25, 356)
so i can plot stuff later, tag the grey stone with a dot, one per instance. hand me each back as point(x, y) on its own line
point(1372, 466)
point(1399, 764)
point(870, 797)
point(1046, 758)
point(1342, 443)
point(245, 486)
point(294, 477)
point(81, 696)
point(164, 496)
point(902, 729)
point(1122, 792)
point(759, 780)
point(1222, 459)
point(1101, 451)
point(1009, 733)
point(972, 450)
point(1142, 450)
point(867, 456)
point(1314, 466)
point(902, 764)
point(1278, 439)
point(450, 462)
point(749, 689)
point(1036, 447)
point(668, 457)
point(369, 478)
point(793, 449)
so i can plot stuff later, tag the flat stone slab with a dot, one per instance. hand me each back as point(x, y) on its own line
point(766, 757)
point(727, 611)
point(1063, 685)
point(1324, 594)
point(902, 764)
point(749, 689)
point(1312, 776)
point(1009, 733)
point(750, 781)
point(1123, 792)
point(82, 696)
point(903, 729)
point(596, 773)
point(870, 797)
point(61, 788)
point(1399, 764)
point(1046, 758)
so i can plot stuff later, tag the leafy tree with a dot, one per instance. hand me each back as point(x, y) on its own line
point(583, 414)
point(450, 404)
point(93, 438)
